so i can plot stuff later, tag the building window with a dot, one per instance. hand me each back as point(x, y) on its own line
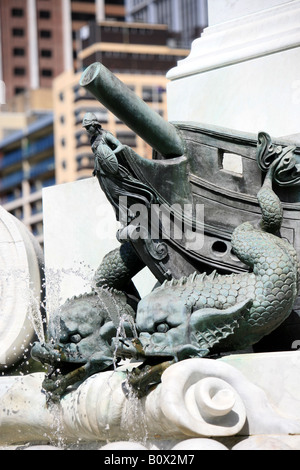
point(45, 14)
point(19, 90)
point(18, 51)
point(47, 73)
point(18, 32)
point(17, 12)
point(37, 229)
point(45, 34)
point(152, 94)
point(46, 53)
point(127, 138)
point(36, 207)
point(80, 16)
point(19, 71)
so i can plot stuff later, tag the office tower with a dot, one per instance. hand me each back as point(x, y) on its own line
point(38, 38)
point(26, 166)
point(186, 19)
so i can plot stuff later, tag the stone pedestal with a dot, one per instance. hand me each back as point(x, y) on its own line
point(247, 402)
point(243, 72)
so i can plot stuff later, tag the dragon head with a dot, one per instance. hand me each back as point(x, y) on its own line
point(169, 329)
point(165, 330)
point(73, 333)
point(79, 336)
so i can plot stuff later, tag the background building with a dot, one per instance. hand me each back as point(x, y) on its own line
point(139, 55)
point(27, 166)
point(38, 38)
point(186, 19)
point(73, 157)
point(135, 48)
point(44, 46)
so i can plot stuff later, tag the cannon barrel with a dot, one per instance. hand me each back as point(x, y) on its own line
point(132, 110)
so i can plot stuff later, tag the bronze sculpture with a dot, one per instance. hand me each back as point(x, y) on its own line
point(192, 314)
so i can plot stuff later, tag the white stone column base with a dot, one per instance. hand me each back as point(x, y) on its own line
point(243, 74)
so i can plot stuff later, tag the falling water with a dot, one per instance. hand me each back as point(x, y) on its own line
point(54, 299)
point(125, 320)
point(135, 407)
point(135, 414)
point(121, 322)
point(35, 309)
point(16, 284)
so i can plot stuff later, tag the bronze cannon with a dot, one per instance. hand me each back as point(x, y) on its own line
point(132, 110)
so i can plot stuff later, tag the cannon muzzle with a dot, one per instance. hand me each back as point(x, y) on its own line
point(132, 110)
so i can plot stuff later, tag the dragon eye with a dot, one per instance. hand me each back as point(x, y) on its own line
point(162, 327)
